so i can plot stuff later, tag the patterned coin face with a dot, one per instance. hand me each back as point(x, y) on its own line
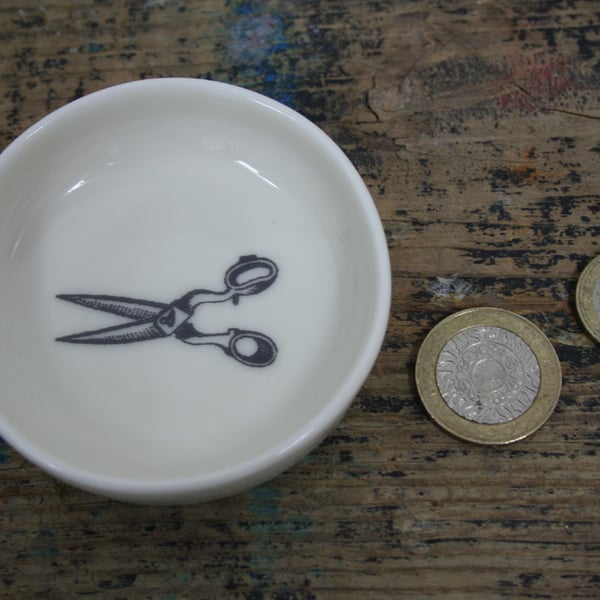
point(488, 375)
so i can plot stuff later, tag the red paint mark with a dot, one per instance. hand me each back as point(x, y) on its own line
point(535, 81)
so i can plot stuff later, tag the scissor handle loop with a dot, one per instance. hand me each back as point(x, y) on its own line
point(264, 350)
point(236, 277)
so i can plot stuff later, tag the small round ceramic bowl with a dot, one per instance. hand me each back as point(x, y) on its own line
point(195, 285)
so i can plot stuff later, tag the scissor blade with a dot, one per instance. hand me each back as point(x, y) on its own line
point(117, 334)
point(131, 308)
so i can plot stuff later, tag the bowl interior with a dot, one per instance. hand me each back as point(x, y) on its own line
point(149, 191)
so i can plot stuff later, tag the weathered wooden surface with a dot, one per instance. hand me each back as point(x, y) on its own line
point(476, 126)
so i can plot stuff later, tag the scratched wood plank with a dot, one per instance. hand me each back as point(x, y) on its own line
point(476, 127)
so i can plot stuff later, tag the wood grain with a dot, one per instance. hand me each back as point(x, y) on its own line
point(476, 126)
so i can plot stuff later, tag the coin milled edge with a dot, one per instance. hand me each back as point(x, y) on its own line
point(584, 298)
point(499, 433)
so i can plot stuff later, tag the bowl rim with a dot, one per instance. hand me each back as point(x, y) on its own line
point(267, 464)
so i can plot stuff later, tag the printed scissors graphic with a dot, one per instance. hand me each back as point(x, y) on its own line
point(152, 320)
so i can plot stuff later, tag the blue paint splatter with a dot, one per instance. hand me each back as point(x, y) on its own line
point(258, 47)
point(256, 38)
point(94, 47)
point(245, 8)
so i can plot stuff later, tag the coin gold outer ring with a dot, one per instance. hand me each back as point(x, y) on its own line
point(584, 298)
point(482, 433)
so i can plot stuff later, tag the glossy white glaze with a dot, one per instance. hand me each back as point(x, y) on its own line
point(149, 190)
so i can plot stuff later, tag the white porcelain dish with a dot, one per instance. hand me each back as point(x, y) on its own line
point(122, 202)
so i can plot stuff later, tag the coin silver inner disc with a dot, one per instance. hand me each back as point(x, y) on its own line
point(488, 375)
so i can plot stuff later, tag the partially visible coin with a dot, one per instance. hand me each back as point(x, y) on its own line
point(488, 375)
point(587, 298)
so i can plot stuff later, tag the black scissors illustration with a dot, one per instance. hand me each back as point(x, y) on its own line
point(152, 320)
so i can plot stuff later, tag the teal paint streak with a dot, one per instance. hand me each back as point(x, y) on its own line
point(271, 530)
point(265, 501)
point(264, 506)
